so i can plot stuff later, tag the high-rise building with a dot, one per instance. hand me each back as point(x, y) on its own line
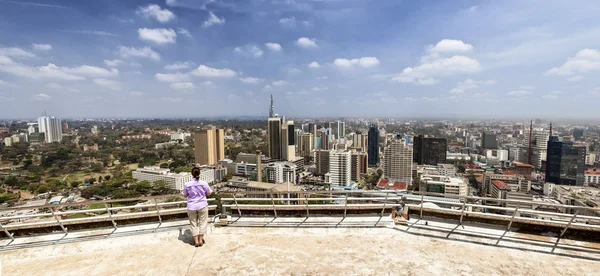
point(281, 172)
point(340, 167)
point(359, 141)
point(398, 160)
point(429, 150)
point(209, 145)
point(306, 144)
point(373, 146)
point(282, 143)
point(312, 128)
point(577, 133)
point(488, 140)
point(359, 165)
point(539, 145)
point(31, 130)
point(322, 162)
point(274, 134)
point(565, 163)
point(51, 127)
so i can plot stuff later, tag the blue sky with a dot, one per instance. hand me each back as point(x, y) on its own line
point(340, 58)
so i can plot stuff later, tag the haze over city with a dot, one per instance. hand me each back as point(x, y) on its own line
point(178, 58)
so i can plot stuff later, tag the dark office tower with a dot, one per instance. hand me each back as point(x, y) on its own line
point(578, 133)
point(565, 163)
point(488, 140)
point(373, 146)
point(429, 150)
point(312, 128)
point(274, 134)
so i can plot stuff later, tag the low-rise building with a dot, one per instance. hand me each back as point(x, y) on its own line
point(90, 148)
point(280, 172)
point(175, 180)
point(517, 183)
point(592, 177)
point(499, 190)
point(180, 136)
point(443, 184)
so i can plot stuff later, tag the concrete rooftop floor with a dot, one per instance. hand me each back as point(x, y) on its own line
point(299, 246)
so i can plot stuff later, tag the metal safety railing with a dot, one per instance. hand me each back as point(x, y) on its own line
point(59, 213)
point(307, 202)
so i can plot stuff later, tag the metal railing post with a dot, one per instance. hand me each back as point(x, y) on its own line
point(237, 206)
point(59, 221)
point(346, 205)
point(462, 213)
point(307, 214)
point(384, 204)
point(157, 211)
point(6, 232)
point(512, 218)
point(421, 214)
point(110, 215)
point(273, 202)
point(569, 224)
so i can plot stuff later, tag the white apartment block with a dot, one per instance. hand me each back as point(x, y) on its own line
point(281, 172)
point(340, 167)
point(180, 135)
point(51, 127)
point(398, 161)
point(592, 176)
point(175, 180)
point(443, 184)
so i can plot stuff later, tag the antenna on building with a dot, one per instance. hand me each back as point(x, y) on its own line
point(272, 109)
point(530, 150)
point(550, 128)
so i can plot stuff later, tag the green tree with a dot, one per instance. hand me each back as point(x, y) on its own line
point(161, 187)
point(75, 184)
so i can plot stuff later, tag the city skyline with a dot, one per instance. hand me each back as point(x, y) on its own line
point(189, 59)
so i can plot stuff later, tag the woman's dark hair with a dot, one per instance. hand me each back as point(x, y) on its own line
point(196, 173)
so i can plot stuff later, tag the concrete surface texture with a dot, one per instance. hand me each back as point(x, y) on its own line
point(300, 246)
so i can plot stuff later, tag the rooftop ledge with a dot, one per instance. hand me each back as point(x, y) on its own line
point(322, 245)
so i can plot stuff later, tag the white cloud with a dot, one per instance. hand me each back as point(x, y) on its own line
point(159, 36)
point(575, 78)
point(182, 85)
point(42, 97)
point(426, 81)
point(171, 99)
point(280, 83)
point(54, 86)
point(145, 52)
point(294, 71)
point(519, 93)
point(467, 84)
point(250, 80)
point(526, 87)
point(305, 42)
point(113, 63)
point(176, 77)
point(364, 62)
point(91, 71)
point(288, 21)
point(110, 84)
point(322, 78)
point(154, 11)
point(41, 47)
point(15, 52)
point(584, 61)
point(136, 93)
point(317, 89)
point(208, 83)
point(213, 20)
point(5, 60)
point(249, 50)
point(52, 71)
point(552, 95)
point(451, 46)
point(275, 47)
point(179, 65)
point(314, 64)
point(438, 67)
point(184, 32)
point(205, 71)
point(233, 97)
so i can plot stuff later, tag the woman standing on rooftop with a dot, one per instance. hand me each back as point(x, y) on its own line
point(196, 192)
